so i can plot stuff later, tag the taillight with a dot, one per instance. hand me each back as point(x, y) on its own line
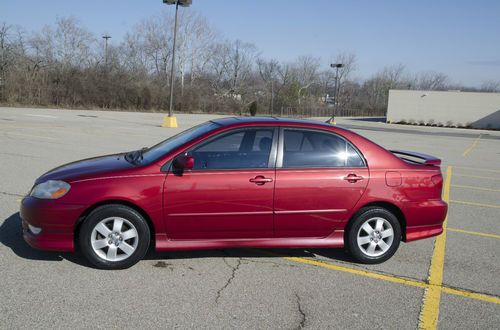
point(437, 180)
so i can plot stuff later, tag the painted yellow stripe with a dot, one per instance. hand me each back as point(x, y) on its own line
point(472, 146)
point(389, 278)
point(477, 169)
point(472, 295)
point(473, 233)
point(474, 188)
point(476, 204)
point(378, 276)
point(429, 313)
point(476, 176)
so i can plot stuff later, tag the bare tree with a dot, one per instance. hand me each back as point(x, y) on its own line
point(6, 57)
point(218, 68)
point(269, 71)
point(241, 59)
point(194, 40)
point(376, 89)
point(305, 72)
point(431, 81)
point(230, 65)
point(491, 86)
point(71, 42)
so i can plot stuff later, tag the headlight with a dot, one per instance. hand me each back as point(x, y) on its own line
point(51, 189)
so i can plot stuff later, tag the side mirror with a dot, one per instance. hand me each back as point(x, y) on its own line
point(184, 162)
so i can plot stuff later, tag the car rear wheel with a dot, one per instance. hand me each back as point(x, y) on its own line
point(114, 237)
point(374, 235)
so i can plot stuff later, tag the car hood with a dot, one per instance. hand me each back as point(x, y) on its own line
point(87, 168)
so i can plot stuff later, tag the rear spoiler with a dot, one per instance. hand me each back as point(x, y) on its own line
point(416, 157)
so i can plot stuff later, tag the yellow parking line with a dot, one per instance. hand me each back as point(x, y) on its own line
point(389, 278)
point(476, 204)
point(429, 313)
point(477, 169)
point(476, 176)
point(472, 295)
point(473, 233)
point(471, 146)
point(475, 188)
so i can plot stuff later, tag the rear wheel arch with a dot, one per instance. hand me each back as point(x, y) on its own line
point(133, 206)
point(385, 205)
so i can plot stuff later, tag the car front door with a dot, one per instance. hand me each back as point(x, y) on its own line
point(229, 192)
point(319, 179)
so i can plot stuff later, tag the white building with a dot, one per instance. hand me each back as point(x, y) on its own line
point(453, 108)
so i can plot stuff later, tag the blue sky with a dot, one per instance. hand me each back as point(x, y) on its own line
point(459, 38)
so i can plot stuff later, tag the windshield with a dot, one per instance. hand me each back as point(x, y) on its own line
point(149, 155)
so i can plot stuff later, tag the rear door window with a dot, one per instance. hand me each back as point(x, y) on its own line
point(309, 148)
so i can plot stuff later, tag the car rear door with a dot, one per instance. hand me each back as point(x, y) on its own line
point(229, 192)
point(319, 178)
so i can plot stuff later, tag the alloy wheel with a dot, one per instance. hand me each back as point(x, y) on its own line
point(114, 239)
point(375, 237)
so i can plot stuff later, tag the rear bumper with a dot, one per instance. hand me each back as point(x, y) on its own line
point(420, 232)
point(424, 219)
point(56, 220)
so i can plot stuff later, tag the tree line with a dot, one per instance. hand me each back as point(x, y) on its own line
point(65, 65)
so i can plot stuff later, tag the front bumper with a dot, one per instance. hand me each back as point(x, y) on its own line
point(56, 219)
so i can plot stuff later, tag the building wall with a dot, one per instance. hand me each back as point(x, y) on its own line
point(479, 110)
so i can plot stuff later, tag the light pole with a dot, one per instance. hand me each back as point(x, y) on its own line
point(106, 37)
point(336, 91)
point(170, 120)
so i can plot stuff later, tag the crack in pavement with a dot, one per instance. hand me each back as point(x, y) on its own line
point(227, 263)
point(303, 317)
point(230, 279)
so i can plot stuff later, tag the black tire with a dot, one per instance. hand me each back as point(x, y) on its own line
point(131, 217)
point(368, 214)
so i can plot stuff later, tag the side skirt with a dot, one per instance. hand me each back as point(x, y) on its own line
point(335, 240)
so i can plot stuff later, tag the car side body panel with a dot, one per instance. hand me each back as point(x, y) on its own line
point(313, 202)
point(219, 204)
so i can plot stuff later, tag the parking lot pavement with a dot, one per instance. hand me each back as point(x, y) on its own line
point(301, 288)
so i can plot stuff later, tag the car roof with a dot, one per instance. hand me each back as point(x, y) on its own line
point(277, 120)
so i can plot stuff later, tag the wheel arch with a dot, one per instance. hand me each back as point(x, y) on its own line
point(394, 209)
point(133, 206)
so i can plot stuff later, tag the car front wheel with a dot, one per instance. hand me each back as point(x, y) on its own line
point(114, 237)
point(374, 235)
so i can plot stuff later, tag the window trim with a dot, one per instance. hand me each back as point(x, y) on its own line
point(281, 149)
point(271, 163)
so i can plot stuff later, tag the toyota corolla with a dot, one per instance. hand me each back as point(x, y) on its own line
point(239, 182)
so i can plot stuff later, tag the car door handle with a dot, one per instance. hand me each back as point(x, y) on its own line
point(260, 180)
point(353, 178)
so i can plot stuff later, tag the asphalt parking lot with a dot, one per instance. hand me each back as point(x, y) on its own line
point(454, 278)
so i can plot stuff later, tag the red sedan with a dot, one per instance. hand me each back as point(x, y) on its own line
point(239, 182)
